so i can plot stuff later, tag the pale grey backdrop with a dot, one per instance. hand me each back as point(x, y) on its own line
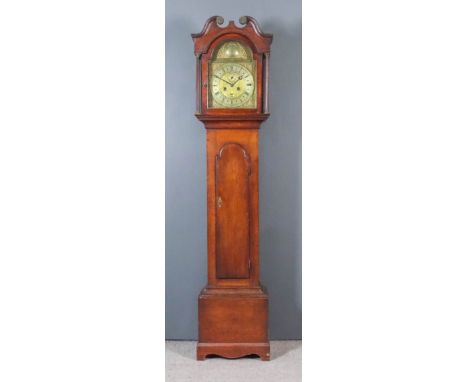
point(280, 166)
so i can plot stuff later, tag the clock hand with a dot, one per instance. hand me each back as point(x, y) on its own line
point(222, 79)
point(237, 80)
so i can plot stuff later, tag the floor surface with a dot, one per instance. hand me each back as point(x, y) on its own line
point(285, 365)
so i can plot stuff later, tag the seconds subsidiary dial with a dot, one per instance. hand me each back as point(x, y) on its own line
point(232, 85)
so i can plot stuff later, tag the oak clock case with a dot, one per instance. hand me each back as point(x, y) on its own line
point(232, 102)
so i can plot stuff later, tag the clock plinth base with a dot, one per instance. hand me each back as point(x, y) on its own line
point(233, 323)
point(233, 350)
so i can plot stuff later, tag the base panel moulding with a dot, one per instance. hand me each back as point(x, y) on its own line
point(233, 323)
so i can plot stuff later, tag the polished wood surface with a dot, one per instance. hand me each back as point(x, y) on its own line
point(233, 307)
point(233, 323)
point(248, 140)
point(232, 185)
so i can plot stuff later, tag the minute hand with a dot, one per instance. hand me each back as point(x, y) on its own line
point(222, 79)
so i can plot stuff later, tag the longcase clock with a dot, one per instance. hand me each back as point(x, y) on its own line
point(232, 102)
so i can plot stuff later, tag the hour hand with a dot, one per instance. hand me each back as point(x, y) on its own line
point(240, 77)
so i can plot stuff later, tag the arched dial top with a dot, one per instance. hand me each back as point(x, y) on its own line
point(233, 49)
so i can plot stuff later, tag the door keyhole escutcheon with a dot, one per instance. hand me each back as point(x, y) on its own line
point(220, 202)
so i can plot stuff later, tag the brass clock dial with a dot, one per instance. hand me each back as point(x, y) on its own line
point(232, 82)
point(232, 85)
